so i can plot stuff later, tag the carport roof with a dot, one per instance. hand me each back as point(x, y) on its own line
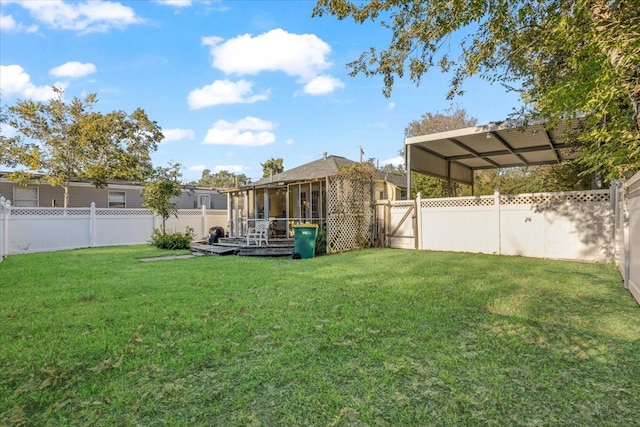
point(456, 154)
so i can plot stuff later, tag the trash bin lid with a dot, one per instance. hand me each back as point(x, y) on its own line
point(305, 226)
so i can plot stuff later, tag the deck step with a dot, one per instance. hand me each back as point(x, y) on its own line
point(215, 249)
point(265, 251)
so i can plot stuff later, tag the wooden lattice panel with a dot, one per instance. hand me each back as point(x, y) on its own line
point(553, 198)
point(457, 202)
point(350, 214)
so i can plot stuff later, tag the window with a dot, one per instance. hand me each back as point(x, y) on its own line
point(203, 200)
point(117, 199)
point(26, 197)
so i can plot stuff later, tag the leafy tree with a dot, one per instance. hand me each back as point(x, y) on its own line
point(391, 169)
point(567, 58)
point(158, 192)
point(272, 167)
point(566, 176)
point(222, 179)
point(63, 140)
point(450, 119)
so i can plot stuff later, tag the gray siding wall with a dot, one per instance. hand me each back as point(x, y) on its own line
point(81, 195)
point(190, 199)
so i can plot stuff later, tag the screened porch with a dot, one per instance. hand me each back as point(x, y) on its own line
point(285, 205)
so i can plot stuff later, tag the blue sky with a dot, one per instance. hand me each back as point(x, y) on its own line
point(231, 83)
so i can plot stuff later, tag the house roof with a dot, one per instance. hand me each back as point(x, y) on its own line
point(395, 179)
point(322, 168)
point(457, 153)
point(111, 182)
point(319, 169)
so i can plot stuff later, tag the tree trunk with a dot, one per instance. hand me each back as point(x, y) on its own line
point(66, 194)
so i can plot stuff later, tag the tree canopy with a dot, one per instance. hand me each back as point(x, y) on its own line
point(272, 167)
point(222, 179)
point(160, 189)
point(568, 59)
point(61, 140)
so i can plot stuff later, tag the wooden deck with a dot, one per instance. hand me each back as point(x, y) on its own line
point(229, 246)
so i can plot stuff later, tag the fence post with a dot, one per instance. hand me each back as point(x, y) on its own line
point(92, 225)
point(5, 207)
point(626, 242)
point(204, 220)
point(496, 204)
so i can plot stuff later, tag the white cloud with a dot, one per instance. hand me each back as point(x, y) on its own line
point(177, 134)
point(175, 3)
point(289, 141)
point(395, 161)
point(391, 105)
point(224, 92)
point(15, 81)
point(380, 125)
point(249, 131)
point(73, 69)
point(230, 168)
point(322, 85)
point(9, 24)
point(197, 168)
point(299, 55)
point(90, 16)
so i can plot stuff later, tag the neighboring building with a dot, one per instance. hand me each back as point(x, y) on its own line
point(298, 195)
point(117, 194)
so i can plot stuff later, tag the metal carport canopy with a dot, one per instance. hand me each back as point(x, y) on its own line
point(454, 155)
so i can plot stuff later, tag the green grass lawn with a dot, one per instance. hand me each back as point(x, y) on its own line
point(376, 337)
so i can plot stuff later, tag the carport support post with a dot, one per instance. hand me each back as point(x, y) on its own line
point(449, 189)
point(418, 222)
point(407, 162)
point(496, 204)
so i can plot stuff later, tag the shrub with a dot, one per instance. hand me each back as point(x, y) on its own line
point(321, 243)
point(172, 241)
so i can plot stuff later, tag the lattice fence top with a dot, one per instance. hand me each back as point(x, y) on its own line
point(457, 202)
point(547, 198)
point(50, 211)
point(634, 190)
point(189, 212)
point(122, 212)
point(350, 214)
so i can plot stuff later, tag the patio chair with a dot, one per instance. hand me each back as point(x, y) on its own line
point(259, 232)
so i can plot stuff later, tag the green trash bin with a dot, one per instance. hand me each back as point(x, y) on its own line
point(304, 240)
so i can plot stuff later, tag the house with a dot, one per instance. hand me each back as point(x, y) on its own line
point(117, 194)
point(300, 195)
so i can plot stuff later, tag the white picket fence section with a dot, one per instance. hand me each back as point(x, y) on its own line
point(27, 230)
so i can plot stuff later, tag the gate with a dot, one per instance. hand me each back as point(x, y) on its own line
point(400, 224)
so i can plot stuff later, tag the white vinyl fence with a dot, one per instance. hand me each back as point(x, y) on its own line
point(26, 230)
point(568, 225)
point(598, 226)
point(627, 236)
